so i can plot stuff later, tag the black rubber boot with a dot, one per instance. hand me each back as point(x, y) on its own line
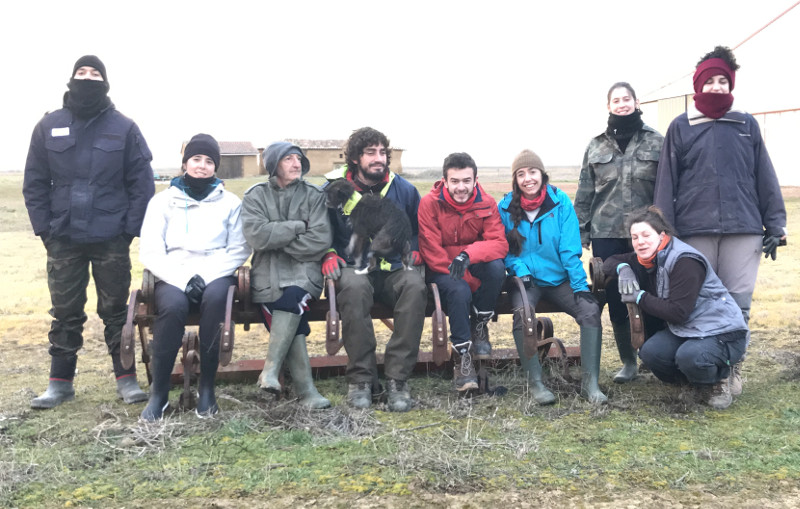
point(302, 380)
point(160, 370)
point(281, 336)
point(591, 345)
point(127, 387)
point(59, 388)
point(627, 354)
point(206, 397)
point(532, 368)
point(58, 391)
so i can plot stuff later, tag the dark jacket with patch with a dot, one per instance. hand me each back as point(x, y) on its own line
point(715, 177)
point(87, 180)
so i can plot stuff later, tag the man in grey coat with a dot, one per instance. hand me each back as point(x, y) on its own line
point(286, 223)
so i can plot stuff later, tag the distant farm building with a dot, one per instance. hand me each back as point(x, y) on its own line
point(762, 88)
point(237, 159)
point(327, 155)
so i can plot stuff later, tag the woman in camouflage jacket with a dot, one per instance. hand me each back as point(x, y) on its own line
point(617, 177)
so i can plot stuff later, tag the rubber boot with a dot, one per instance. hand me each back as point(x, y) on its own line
point(591, 345)
point(160, 370)
point(281, 336)
point(533, 370)
point(59, 388)
point(300, 368)
point(206, 399)
point(58, 391)
point(627, 354)
point(128, 390)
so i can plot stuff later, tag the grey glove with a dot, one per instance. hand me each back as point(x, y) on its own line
point(626, 279)
point(194, 289)
point(633, 297)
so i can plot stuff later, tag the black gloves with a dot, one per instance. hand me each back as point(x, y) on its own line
point(771, 243)
point(527, 281)
point(194, 289)
point(626, 279)
point(587, 296)
point(459, 265)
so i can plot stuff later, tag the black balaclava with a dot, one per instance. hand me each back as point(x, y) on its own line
point(87, 98)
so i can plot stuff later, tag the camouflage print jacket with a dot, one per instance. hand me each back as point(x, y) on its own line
point(613, 185)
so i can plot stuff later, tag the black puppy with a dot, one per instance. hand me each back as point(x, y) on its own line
point(374, 218)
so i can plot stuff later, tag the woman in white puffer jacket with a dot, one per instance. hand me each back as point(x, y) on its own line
point(192, 242)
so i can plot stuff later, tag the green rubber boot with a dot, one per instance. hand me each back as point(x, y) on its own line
point(281, 336)
point(302, 379)
point(531, 367)
point(627, 354)
point(591, 345)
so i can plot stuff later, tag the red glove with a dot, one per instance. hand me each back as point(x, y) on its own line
point(416, 258)
point(331, 264)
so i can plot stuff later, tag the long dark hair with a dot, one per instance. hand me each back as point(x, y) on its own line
point(517, 214)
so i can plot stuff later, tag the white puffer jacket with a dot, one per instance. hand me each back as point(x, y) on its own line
point(182, 237)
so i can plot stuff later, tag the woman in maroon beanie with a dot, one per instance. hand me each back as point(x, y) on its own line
point(717, 185)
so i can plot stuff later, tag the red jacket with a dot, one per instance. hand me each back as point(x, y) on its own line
point(445, 232)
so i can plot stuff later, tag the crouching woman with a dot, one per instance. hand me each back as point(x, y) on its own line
point(696, 330)
point(192, 241)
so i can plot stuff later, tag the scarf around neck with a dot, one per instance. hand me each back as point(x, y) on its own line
point(649, 263)
point(713, 105)
point(196, 188)
point(530, 205)
point(623, 127)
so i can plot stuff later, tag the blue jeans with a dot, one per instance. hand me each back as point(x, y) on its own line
point(677, 360)
point(457, 298)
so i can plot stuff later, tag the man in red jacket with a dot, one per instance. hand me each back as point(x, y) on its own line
point(463, 243)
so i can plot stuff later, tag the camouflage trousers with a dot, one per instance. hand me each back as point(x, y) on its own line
point(68, 279)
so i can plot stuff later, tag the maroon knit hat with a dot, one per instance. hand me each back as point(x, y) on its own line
point(709, 68)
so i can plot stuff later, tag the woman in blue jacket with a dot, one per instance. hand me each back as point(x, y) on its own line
point(544, 251)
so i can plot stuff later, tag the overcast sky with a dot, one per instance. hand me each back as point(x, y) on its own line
point(488, 78)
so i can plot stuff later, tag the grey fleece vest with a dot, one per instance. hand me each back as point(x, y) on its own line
point(715, 311)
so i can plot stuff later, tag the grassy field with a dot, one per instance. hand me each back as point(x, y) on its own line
point(645, 448)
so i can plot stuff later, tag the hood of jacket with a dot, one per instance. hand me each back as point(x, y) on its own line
point(277, 151)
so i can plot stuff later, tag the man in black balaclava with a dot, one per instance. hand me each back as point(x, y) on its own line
point(87, 184)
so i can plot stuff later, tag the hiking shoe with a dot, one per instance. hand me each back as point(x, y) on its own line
point(479, 329)
point(736, 379)
point(720, 397)
point(465, 377)
point(399, 397)
point(359, 395)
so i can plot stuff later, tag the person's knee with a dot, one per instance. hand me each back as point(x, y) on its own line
point(352, 283)
point(495, 269)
